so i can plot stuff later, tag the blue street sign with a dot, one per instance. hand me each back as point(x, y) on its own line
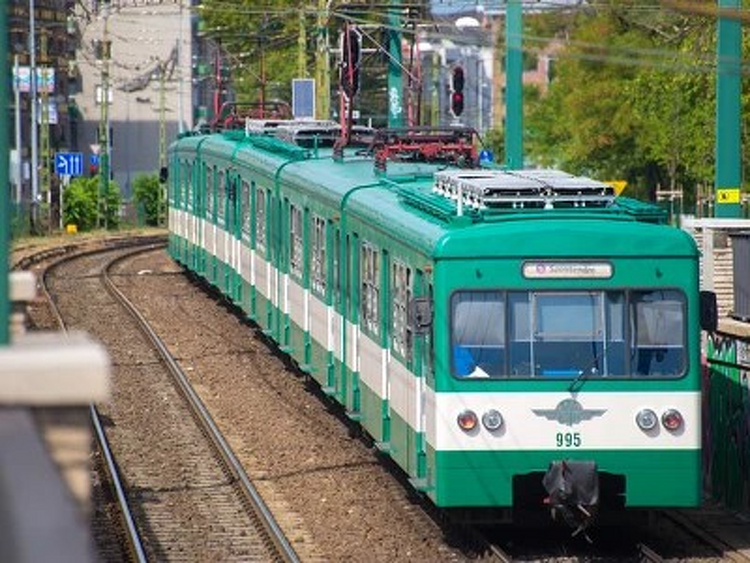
point(69, 163)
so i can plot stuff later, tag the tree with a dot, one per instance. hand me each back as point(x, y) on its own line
point(632, 98)
point(148, 194)
point(80, 204)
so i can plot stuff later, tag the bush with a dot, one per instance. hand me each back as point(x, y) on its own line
point(80, 201)
point(148, 194)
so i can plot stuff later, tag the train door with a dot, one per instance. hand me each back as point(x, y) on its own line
point(210, 223)
point(403, 385)
point(234, 234)
point(349, 315)
point(244, 229)
point(336, 322)
point(221, 274)
point(202, 196)
point(260, 268)
point(422, 353)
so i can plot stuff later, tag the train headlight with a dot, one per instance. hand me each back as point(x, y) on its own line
point(646, 419)
point(492, 420)
point(467, 420)
point(672, 420)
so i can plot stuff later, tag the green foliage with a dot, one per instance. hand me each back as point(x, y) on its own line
point(148, 194)
point(261, 39)
point(80, 204)
point(633, 97)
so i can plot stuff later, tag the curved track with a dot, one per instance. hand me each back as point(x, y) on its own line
point(200, 503)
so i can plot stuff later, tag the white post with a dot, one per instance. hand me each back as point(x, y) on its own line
point(19, 164)
point(32, 97)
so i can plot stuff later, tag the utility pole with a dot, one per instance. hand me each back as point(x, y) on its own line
point(180, 92)
point(104, 140)
point(162, 136)
point(395, 76)
point(728, 113)
point(4, 214)
point(302, 44)
point(44, 129)
point(322, 64)
point(513, 85)
point(34, 118)
point(19, 148)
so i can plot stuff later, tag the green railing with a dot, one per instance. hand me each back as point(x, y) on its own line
point(726, 443)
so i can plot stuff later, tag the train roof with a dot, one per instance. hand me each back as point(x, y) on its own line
point(453, 212)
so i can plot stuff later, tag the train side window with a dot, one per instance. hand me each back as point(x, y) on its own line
point(189, 202)
point(221, 189)
point(260, 219)
point(245, 206)
point(295, 241)
point(336, 266)
point(209, 192)
point(401, 294)
point(369, 276)
point(318, 258)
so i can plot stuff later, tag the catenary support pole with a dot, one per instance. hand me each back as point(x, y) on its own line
point(513, 85)
point(728, 113)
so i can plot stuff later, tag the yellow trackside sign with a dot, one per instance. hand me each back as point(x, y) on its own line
point(728, 195)
point(618, 185)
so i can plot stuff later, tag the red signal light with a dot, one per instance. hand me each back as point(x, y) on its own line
point(457, 103)
point(457, 90)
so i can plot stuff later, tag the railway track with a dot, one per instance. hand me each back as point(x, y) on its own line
point(128, 359)
point(199, 503)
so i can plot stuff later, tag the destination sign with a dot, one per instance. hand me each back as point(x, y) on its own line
point(564, 270)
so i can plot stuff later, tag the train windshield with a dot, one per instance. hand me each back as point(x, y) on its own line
point(568, 334)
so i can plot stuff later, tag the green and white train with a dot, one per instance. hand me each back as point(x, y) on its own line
point(512, 339)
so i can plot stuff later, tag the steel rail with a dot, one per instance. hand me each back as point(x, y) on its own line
point(201, 413)
point(134, 542)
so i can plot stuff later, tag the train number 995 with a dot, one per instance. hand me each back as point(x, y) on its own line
point(568, 440)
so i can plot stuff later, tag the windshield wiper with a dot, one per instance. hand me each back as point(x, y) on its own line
point(590, 369)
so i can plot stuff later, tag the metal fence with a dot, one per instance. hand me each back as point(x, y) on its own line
point(726, 444)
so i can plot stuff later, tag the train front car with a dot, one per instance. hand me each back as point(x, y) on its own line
point(566, 351)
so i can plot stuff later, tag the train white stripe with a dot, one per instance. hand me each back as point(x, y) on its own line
point(530, 419)
point(528, 425)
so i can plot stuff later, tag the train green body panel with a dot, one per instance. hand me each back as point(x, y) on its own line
point(674, 480)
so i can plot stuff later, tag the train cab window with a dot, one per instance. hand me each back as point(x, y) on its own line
point(260, 219)
point(318, 256)
point(568, 334)
point(369, 276)
point(659, 333)
point(478, 333)
point(295, 241)
point(401, 293)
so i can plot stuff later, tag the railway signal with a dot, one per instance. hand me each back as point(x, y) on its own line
point(457, 91)
point(351, 53)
